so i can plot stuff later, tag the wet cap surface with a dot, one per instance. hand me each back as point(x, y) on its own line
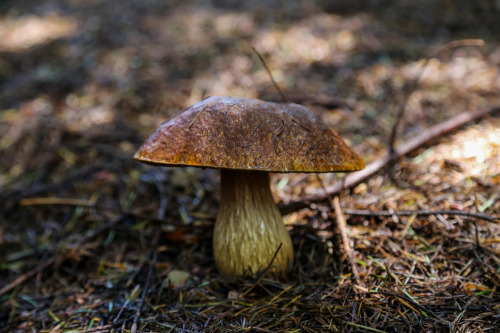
point(248, 134)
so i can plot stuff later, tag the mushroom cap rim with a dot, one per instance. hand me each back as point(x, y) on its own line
point(166, 164)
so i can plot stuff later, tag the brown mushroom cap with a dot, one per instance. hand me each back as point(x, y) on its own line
point(249, 134)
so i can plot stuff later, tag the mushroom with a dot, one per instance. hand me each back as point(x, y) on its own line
point(247, 139)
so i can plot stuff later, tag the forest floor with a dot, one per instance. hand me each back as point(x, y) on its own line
point(93, 241)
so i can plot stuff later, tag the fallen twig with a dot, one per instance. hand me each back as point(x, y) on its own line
point(479, 216)
point(355, 178)
point(56, 201)
point(341, 223)
point(10, 197)
point(412, 86)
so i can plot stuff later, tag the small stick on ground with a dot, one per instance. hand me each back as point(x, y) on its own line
point(9, 198)
point(56, 201)
point(479, 216)
point(341, 223)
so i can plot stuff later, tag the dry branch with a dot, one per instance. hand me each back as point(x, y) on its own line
point(479, 216)
point(342, 225)
point(427, 136)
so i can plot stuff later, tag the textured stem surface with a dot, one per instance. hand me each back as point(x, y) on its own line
point(249, 228)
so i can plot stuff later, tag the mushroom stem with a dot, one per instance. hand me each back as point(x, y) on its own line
point(249, 228)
